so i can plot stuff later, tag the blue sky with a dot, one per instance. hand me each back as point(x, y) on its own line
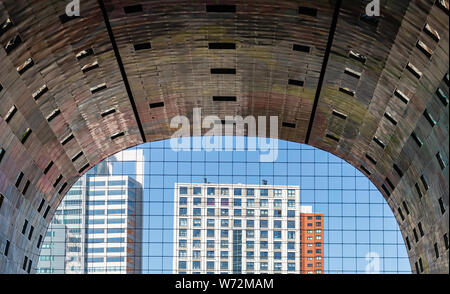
point(357, 218)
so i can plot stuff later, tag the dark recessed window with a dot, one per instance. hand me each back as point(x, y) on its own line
point(98, 88)
point(307, 11)
point(41, 205)
point(416, 237)
point(85, 53)
point(416, 139)
point(347, 91)
point(13, 44)
point(108, 112)
point(62, 188)
point(398, 170)
point(117, 135)
point(142, 46)
point(223, 71)
point(405, 206)
point(332, 137)
point(49, 166)
point(132, 8)
point(77, 156)
point(10, 114)
point(390, 118)
point(157, 104)
point(25, 135)
point(418, 190)
point(424, 48)
point(1, 87)
point(295, 82)
point(19, 179)
point(25, 261)
point(371, 159)
point(54, 114)
point(30, 262)
point(2, 153)
point(339, 114)
point(221, 8)
point(57, 181)
point(443, 5)
point(39, 241)
point(90, 66)
point(42, 90)
point(399, 94)
point(414, 70)
point(419, 225)
point(224, 98)
point(357, 57)
point(390, 183)
point(442, 96)
point(421, 264)
point(431, 32)
point(429, 118)
point(301, 48)
point(7, 247)
point(1, 200)
point(25, 188)
point(365, 170)
point(379, 142)
point(407, 243)
point(5, 26)
point(424, 182)
point(446, 241)
point(83, 168)
point(352, 73)
point(67, 139)
point(441, 205)
point(436, 250)
point(66, 18)
point(440, 160)
point(25, 66)
point(400, 212)
point(288, 125)
point(385, 189)
point(24, 227)
point(47, 210)
point(223, 46)
point(30, 234)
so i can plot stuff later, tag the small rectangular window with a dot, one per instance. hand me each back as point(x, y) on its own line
point(83, 168)
point(444, 99)
point(415, 235)
point(77, 156)
point(7, 247)
point(117, 135)
point(419, 225)
point(5, 26)
point(443, 4)
point(416, 139)
point(49, 166)
point(10, 114)
point(47, 210)
point(441, 205)
point(62, 188)
point(431, 32)
point(57, 181)
point(19, 179)
point(2, 153)
point(371, 159)
point(224, 98)
point(339, 114)
point(398, 170)
point(288, 125)
point(440, 160)
point(108, 112)
point(424, 182)
point(52, 115)
point(25, 188)
point(223, 71)
point(414, 70)
point(25, 261)
point(25, 66)
point(347, 91)
point(421, 264)
point(13, 44)
point(399, 94)
point(301, 48)
point(332, 137)
point(390, 183)
point(25, 136)
point(157, 104)
point(41, 205)
point(429, 118)
point(379, 142)
point(1, 200)
point(436, 250)
point(400, 212)
point(424, 48)
point(408, 244)
point(221, 8)
point(390, 118)
point(365, 170)
point(132, 9)
point(446, 241)
point(418, 190)
point(30, 234)
point(357, 56)
point(295, 82)
point(24, 227)
point(222, 46)
point(41, 91)
point(307, 11)
point(90, 66)
point(85, 53)
point(352, 73)
point(98, 88)
point(30, 262)
point(67, 139)
point(385, 189)
point(38, 244)
point(142, 46)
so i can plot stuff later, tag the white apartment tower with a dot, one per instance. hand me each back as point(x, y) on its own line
point(236, 228)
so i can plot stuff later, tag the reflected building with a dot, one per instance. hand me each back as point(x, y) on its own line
point(97, 227)
point(221, 229)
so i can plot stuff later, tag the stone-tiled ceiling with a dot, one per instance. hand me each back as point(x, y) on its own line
point(371, 90)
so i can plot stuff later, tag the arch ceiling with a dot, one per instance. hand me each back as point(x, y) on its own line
point(371, 90)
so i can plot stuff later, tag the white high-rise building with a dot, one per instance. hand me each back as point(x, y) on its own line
point(220, 228)
point(102, 214)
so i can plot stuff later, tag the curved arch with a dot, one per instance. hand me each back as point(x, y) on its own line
point(371, 90)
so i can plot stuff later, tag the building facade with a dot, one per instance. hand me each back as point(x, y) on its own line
point(101, 217)
point(311, 241)
point(237, 229)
